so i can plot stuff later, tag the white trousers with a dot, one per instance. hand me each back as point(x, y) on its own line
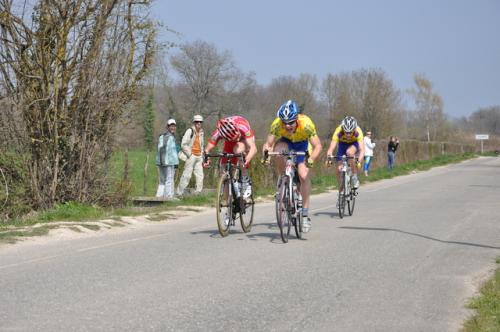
point(166, 185)
point(193, 165)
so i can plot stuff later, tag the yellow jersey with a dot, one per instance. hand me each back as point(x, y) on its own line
point(340, 136)
point(305, 129)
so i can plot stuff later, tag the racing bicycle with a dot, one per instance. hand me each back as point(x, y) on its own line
point(230, 203)
point(288, 198)
point(347, 193)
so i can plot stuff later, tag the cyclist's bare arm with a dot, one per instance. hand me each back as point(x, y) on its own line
point(252, 148)
point(268, 145)
point(209, 147)
point(316, 144)
point(331, 148)
point(361, 154)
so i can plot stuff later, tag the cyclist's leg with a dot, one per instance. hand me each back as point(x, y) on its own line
point(281, 145)
point(341, 151)
point(351, 152)
point(243, 147)
point(228, 148)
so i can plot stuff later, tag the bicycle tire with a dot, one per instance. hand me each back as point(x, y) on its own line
point(246, 214)
point(299, 218)
point(224, 207)
point(283, 209)
point(342, 192)
point(351, 202)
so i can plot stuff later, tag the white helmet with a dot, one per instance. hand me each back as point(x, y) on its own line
point(349, 124)
point(197, 118)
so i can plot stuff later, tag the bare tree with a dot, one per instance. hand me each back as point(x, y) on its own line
point(327, 93)
point(69, 68)
point(429, 106)
point(486, 120)
point(366, 94)
point(206, 72)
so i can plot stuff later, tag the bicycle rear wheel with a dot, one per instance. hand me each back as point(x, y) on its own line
point(246, 213)
point(342, 194)
point(224, 206)
point(283, 209)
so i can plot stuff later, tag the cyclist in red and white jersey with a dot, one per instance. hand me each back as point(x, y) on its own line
point(238, 137)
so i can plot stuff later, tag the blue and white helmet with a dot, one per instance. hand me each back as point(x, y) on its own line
point(289, 111)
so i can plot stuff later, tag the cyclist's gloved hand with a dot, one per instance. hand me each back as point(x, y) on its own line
point(358, 164)
point(309, 163)
point(329, 160)
point(265, 158)
point(246, 164)
point(206, 163)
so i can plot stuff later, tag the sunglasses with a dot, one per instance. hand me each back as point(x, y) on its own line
point(198, 122)
point(291, 123)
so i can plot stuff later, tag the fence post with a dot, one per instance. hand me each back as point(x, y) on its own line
point(125, 166)
point(145, 183)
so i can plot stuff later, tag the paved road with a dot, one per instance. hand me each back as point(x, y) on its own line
point(406, 261)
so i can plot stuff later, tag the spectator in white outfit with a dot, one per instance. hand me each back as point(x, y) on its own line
point(167, 161)
point(192, 146)
point(369, 146)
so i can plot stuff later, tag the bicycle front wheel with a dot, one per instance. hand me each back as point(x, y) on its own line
point(342, 194)
point(283, 209)
point(298, 218)
point(351, 202)
point(246, 213)
point(224, 205)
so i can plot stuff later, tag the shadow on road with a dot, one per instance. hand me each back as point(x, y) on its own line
point(273, 236)
point(330, 214)
point(419, 235)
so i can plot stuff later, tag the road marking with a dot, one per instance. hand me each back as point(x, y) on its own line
point(29, 261)
point(122, 242)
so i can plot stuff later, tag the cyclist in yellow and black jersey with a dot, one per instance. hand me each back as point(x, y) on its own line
point(293, 131)
point(349, 138)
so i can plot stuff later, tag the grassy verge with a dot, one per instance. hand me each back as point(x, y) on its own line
point(487, 306)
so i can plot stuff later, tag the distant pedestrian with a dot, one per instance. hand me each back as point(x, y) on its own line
point(167, 161)
point(192, 146)
point(369, 146)
point(391, 151)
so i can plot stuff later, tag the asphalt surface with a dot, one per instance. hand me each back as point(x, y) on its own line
point(416, 248)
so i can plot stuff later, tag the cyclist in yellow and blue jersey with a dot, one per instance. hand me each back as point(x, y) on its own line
point(293, 131)
point(349, 138)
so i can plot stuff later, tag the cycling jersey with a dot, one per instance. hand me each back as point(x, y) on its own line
point(242, 125)
point(340, 136)
point(304, 131)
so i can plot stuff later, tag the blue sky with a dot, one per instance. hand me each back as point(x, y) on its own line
point(455, 43)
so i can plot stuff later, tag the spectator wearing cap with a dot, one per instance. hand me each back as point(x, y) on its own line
point(192, 146)
point(167, 161)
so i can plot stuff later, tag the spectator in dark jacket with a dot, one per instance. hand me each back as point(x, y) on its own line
point(391, 151)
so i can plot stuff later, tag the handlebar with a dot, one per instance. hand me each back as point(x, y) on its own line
point(223, 155)
point(284, 154)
